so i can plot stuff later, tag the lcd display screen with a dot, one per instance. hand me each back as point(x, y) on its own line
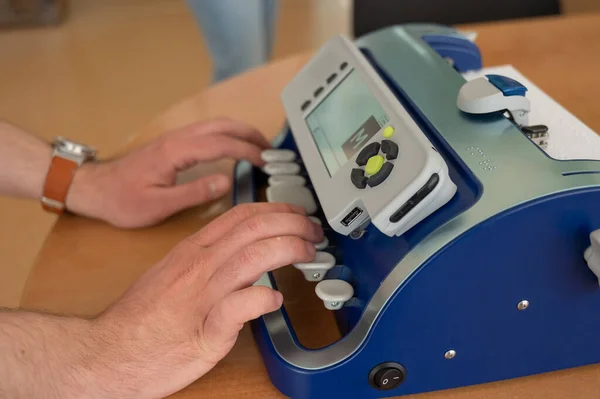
point(345, 121)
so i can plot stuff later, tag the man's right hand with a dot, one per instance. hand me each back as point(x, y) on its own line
point(184, 314)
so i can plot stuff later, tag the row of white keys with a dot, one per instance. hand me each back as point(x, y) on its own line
point(285, 185)
point(333, 292)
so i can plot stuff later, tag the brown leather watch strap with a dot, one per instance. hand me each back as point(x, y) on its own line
point(59, 179)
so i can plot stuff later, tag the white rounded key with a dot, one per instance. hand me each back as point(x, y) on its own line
point(281, 168)
point(290, 180)
point(296, 195)
point(275, 155)
point(316, 270)
point(316, 220)
point(322, 245)
point(334, 293)
point(592, 254)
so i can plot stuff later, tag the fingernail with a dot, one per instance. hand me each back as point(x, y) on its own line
point(278, 299)
point(218, 186)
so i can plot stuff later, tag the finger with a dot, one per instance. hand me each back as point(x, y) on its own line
point(238, 129)
point(232, 147)
point(245, 267)
point(184, 196)
point(225, 320)
point(184, 152)
point(228, 127)
point(223, 224)
point(261, 227)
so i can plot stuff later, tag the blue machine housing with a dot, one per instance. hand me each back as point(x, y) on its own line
point(516, 230)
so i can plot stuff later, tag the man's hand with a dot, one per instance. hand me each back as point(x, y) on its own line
point(139, 189)
point(172, 326)
point(184, 314)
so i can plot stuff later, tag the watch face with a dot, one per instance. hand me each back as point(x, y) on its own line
point(74, 148)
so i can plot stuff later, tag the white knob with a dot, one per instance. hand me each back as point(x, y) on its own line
point(281, 168)
point(592, 254)
point(296, 195)
point(334, 293)
point(316, 220)
point(322, 245)
point(316, 270)
point(290, 180)
point(278, 155)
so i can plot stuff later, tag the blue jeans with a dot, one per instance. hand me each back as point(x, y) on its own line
point(239, 33)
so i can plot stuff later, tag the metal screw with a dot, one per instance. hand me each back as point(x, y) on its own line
point(356, 234)
point(316, 275)
point(450, 354)
point(335, 304)
point(524, 304)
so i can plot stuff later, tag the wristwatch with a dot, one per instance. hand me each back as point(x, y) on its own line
point(67, 156)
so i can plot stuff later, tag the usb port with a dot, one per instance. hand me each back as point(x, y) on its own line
point(351, 217)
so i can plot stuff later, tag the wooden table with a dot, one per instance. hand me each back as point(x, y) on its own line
point(84, 265)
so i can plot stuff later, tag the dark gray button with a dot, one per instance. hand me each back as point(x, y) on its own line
point(305, 105)
point(400, 213)
point(428, 187)
point(388, 378)
point(367, 152)
point(380, 176)
point(387, 375)
point(358, 178)
point(390, 149)
point(415, 199)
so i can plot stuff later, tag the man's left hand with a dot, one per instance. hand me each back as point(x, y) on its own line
point(140, 188)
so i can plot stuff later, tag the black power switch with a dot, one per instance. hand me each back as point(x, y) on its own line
point(387, 376)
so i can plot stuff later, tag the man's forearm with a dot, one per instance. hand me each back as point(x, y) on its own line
point(24, 162)
point(44, 356)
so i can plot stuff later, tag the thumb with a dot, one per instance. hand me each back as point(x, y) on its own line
point(197, 192)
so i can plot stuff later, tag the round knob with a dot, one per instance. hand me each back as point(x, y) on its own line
point(318, 268)
point(278, 155)
point(334, 293)
point(592, 253)
point(281, 168)
point(289, 180)
point(316, 220)
point(322, 245)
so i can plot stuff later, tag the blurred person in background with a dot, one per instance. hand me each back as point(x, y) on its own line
point(239, 33)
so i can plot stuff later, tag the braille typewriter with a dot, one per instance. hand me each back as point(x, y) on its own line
point(457, 251)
